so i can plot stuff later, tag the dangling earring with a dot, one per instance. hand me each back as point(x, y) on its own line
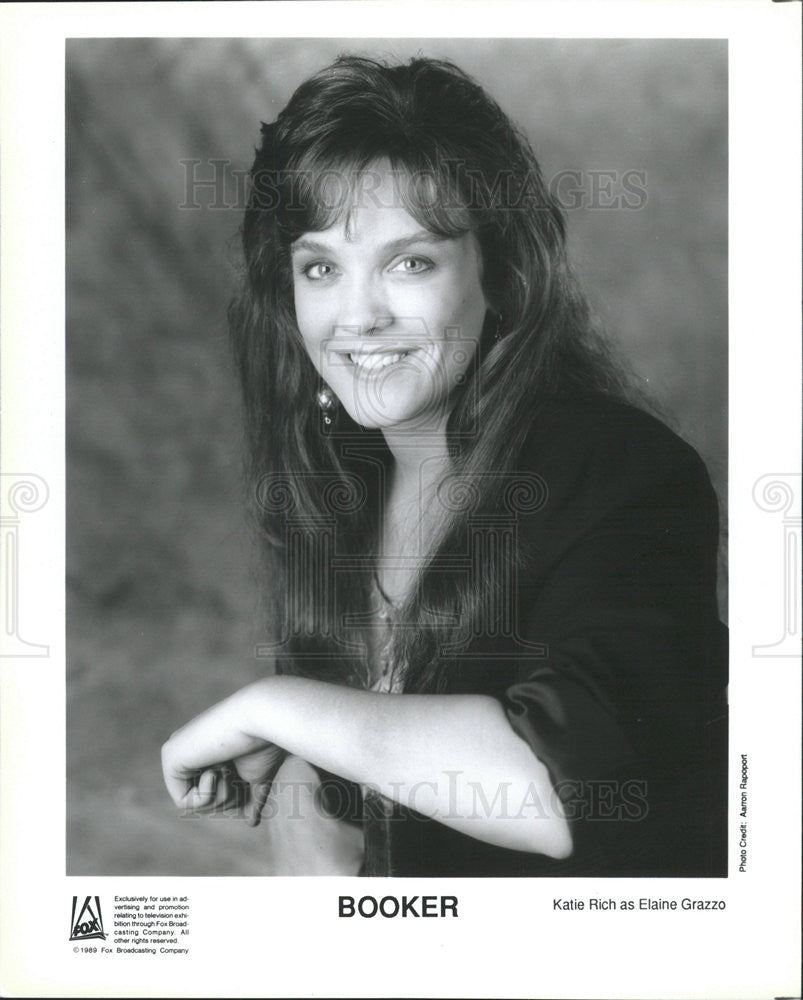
point(326, 403)
point(498, 329)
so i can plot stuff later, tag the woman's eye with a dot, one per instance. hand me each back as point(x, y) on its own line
point(413, 265)
point(318, 271)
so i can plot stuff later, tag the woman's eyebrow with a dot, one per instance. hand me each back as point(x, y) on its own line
point(312, 245)
point(421, 236)
point(394, 246)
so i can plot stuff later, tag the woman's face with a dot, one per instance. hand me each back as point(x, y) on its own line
point(390, 314)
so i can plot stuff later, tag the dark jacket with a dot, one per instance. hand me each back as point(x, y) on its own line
point(614, 666)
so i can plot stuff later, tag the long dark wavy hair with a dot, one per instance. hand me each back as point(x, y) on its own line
point(317, 490)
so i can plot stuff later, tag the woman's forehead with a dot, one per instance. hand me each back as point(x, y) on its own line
point(388, 229)
point(376, 186)
point(385, 195)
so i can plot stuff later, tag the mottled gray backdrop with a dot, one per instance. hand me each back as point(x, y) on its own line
point(160, 596)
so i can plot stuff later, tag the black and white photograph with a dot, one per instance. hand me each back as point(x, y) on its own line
point(403, 392)
point(462, 488)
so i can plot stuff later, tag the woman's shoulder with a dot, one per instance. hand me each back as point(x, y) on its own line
point(603, 453)
point(594, 429)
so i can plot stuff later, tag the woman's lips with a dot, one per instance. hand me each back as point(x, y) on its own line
point(371, 362)
point(376, 361)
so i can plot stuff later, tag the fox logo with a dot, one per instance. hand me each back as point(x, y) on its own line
point(89, 923)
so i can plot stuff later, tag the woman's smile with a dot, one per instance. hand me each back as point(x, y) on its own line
point(367, 362)
point(376, 359)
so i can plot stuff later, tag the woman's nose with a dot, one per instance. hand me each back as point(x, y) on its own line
point(364, 308)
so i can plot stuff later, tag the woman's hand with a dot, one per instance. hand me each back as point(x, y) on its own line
point(212, 764)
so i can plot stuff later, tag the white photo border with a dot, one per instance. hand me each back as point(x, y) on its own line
point(282, 937)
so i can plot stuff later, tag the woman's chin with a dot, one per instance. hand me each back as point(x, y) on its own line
point(399, 419)
point(392, 409)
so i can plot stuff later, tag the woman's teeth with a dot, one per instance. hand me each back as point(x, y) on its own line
point(373, 362)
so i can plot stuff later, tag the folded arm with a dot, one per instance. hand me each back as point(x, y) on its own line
point(453, 758)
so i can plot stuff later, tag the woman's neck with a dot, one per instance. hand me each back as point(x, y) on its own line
point(420, 455)
point(419, 464)
point(411, 512)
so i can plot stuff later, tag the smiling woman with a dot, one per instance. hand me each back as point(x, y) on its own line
point(375, 295)
point(491, 576)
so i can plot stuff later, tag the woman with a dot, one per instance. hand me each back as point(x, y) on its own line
point(492, 578)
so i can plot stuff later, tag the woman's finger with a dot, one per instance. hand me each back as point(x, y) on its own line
point(223, 790)
point(179, 784)
point(206, 787)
